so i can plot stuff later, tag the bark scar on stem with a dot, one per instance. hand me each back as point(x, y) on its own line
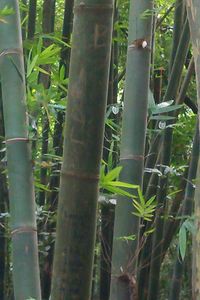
point(100, 33)
point(131, 283)
point(139, 44)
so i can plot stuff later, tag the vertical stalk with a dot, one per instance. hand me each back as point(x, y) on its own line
point(52, 200)
point(88, 83)
point(3, 202)
point(32, 19)
point(21, 190)
point(132, 145)
point(47, 21)
point(193, 11)
point(171, 93)
point(23, 16)
point(187, 211)
point(178, 25)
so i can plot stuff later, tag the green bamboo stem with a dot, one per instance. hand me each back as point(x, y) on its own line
point(44, 79)
point(196, 242)
point(52, 200)
point(158, 80)
point(88, 83)
point(23, 18)
point(172, 223)
point(180, 58)
point(158, 246)
point(58, 127)
point(193, 12)
point(32, 19)
point(107, 219)
point(186, 82)
point(66, 35)
point(108, 210)
point(132, 146)
point(178, 26)
point(145, 256)
point(171, 93)
point(187, 211)
point(3, 202)
point(21, 190)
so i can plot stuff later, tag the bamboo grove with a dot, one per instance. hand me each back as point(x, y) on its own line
point(99, 149)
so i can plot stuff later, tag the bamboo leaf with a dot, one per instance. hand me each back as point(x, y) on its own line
point(31, 66)
point(151, 200)
point(165, 104)
point(116, 190)
point(164, 118)
point(142, 200)
point(182, 241)
point(161, 110)
point(113, 174)
point(123, 184)
point(189, 225)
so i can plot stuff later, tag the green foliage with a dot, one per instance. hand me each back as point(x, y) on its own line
point(143, 209)
point(186, 227)
point(156, 110)
point(6, 11)
point(109, 183)
point(53, 101)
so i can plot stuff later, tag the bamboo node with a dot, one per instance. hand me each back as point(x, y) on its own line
point(95, 7)
point(84, 176)
point(133, 157)
point(19, 139)
point(24, 229)
point(11, 51)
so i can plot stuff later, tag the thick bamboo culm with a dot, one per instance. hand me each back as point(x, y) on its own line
point(20, 177)
point(87, 94)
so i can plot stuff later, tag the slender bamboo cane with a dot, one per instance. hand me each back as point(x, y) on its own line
point(107, 210)
point(52, 200)
point(64, 62)
point(88, 83)
point(23, 17)
point(47, 22)
point(3, 202)
point(193, 12)
point(187, 211)
point(31, 19)
point(171, 93)
point(178, 25)
point(172, 87)
point(21, 190)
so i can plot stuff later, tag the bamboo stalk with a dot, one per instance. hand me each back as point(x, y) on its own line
point(178, 25)
point(193, 12)
point(32, 18)
point(88, 83)
point(187, 211)
point(132, 147)
point(171, 93)
point(3, 204)
point(21, 190)
point(52, 199)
